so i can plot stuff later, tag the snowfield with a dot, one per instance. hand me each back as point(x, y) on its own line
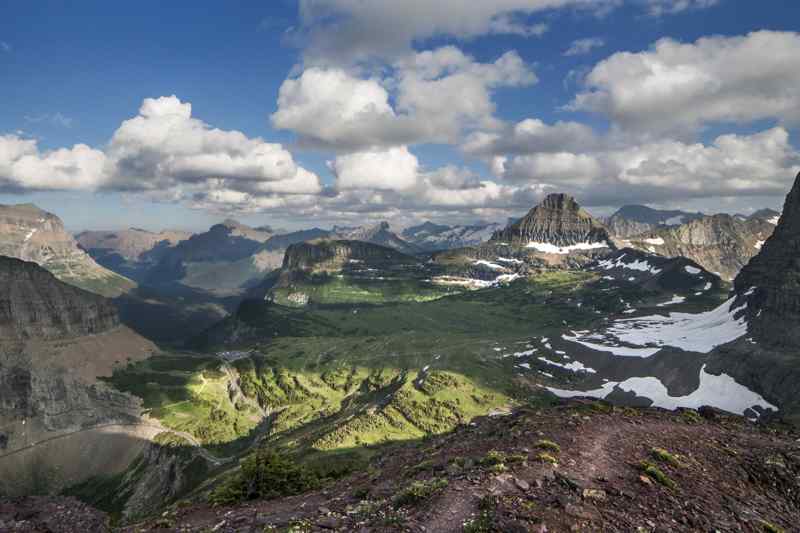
point(658, 241)
point(689, 332)
point(720, 391)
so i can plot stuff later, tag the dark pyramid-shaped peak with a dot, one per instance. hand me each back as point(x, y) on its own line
point(560, 202)
point(771, 280)
point(558, 220)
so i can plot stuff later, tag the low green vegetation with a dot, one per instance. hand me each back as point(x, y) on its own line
point(660, 454)
point(548, 445)
point(771, 528)
point(544, 457)
point(657, 475)
point(419, 491)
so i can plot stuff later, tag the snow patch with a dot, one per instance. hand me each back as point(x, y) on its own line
point(722, 392)
point(493, 266)
point(638, 264)
point(574, 366)
point(509, 260)
point(548, 248)
point(621, 351)
point(692, 270)
point(658, 241)
point(675, 300)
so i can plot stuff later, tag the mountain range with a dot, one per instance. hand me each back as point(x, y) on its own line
point(386, 378)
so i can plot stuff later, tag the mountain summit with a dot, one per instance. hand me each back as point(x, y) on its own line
point(32, 234)
point(771, 280)
point(557, 225)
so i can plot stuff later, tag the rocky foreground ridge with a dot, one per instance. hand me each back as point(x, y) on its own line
point(578, 466)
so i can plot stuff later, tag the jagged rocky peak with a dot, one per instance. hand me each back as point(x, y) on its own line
point(34, 304)
point(557, 225)
point(328, 254)
point(771, 280)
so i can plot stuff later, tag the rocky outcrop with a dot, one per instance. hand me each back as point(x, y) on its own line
point(772, 280)
point(557, 221)
point(722, 244)
point(31, 234)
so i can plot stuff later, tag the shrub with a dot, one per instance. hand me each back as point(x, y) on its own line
point(419, 491)
point(265, 475)
point(492, 458)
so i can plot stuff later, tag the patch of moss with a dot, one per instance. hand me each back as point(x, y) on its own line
point(660, 454)
point(657, 475)
point(691, 416)
point(545, 457)
point(771, 528)
point(548, 445)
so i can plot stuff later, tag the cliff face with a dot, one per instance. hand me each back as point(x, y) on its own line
point(558, 221)
point(55, 341)
point(774, 277)
point(721, 243)
point(35, 305)
point(31, 234)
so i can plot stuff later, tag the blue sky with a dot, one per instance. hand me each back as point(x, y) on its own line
point(73, 72)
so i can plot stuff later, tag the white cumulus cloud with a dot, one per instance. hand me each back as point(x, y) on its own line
point(678, 87)
point(436, 94)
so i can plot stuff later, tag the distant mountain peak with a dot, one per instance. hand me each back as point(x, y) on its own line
point(557, 225)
